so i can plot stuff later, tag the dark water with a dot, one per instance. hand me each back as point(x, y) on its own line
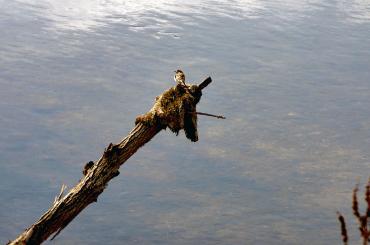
point(292, 77)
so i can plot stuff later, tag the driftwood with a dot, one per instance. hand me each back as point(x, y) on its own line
point(175, 109)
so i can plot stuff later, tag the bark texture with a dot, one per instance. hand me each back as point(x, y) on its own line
point(98, 174)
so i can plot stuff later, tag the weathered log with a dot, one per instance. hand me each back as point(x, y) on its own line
point(174, 109)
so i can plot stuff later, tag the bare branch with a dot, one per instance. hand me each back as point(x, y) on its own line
point(210, 115)
point(205, 83)
point(367, 198)
point(172, 109)
point(57, 198)
point(343, 228)
point(355, 210)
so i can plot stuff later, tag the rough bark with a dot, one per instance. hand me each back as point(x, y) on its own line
point(98, 174)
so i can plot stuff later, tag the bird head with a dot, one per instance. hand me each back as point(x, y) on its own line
point(179, 76)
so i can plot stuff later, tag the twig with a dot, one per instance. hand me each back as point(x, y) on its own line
point(367, 198)
point(367, 214)
point(210, 115)
point(355, 210)
point(362, 220)
point(57, 198)
point(343, 228)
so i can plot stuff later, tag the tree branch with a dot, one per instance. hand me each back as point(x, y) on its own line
point(97, 175)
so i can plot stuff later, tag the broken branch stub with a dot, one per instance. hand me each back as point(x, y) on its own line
point(175, 109)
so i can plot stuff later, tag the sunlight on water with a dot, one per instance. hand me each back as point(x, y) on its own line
point(86, 14)
point(292, 78)
point(358, 11)
point(163, 16)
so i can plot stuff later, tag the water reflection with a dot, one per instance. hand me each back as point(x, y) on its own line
point(163, 17)
point(357, 11)
point(85, 14)
point(291, 77)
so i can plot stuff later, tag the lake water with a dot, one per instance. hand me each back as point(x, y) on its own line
point(292, 77)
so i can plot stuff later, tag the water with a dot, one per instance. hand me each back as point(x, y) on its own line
point(292, 78)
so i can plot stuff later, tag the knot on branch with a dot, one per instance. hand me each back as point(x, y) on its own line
point(175, 109)
point(112, 152)
point(87, 167)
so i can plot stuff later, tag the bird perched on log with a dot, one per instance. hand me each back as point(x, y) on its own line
point(176, 108)
point(179, 77)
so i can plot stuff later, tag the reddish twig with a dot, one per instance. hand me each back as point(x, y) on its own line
point(362, 219)
point(343, 228)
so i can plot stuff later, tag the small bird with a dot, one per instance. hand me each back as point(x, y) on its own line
point(179, 77)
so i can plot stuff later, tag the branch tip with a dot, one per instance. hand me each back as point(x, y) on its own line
point(210, 115)
point(205, 83)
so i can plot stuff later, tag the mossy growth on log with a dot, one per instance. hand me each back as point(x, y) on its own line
point(175, 109)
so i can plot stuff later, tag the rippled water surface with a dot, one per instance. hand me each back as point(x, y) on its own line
point(292, 77)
